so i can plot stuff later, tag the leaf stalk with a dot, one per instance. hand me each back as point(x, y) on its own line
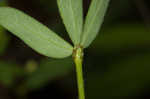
point(78, 59)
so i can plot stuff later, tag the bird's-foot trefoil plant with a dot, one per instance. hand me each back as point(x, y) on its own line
point(46, 42)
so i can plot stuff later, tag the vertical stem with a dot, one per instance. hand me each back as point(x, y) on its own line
point(78, 58)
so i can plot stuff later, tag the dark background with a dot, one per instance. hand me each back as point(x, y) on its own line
point(116, 65)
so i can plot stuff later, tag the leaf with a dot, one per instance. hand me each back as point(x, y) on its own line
point(47, 71)
point(93, 21)
point(36, 35)
point(72, 15)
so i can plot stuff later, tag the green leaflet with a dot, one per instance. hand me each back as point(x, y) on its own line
point(93, 21)
point(72, 15)
point(33, 33)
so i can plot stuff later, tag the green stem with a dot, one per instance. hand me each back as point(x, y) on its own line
point(78, 58)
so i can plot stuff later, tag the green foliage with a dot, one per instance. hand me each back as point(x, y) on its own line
point(47, 43)
point(93, 21)
point(36, 35)
point(72, 15)
point(124, 76)
point(47, 71)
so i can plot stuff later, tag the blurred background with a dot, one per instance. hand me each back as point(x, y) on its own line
point(116, 65)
